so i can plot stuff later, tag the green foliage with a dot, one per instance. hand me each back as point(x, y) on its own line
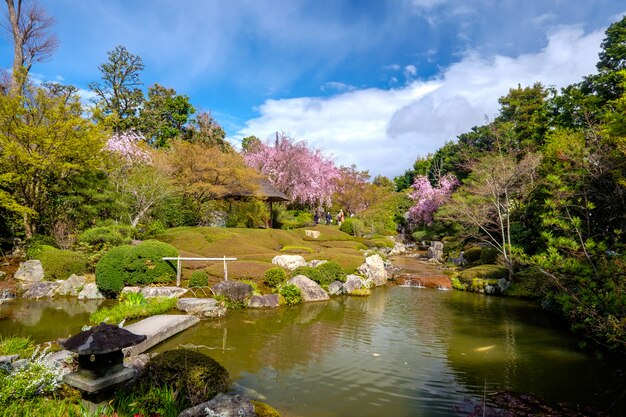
point(250, 214)
point(198, 279)
point(310, 272)
point(43, 406)
point(60, 264)
point(22, 346)
point(529, 283)
point(353, 227)
point(361, 292)
point(35, 251)
point(488, 255)
point(110, 270)
point(100, 237)
point(143, 263)
point(274, 277)
point(193, 377)
point(330, 272)
point(133, 308)
point(386, 214)
point(293, 219)
point(130, 299)
point(487, 272)
point(473, 255)
point(164, 115)
point(291, 294)
point(158, 400)
point(36, 378)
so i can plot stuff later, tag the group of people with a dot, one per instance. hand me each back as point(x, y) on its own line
point(320, 216)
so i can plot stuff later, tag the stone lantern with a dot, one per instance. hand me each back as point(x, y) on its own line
point(100, 358)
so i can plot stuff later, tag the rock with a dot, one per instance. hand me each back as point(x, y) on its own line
point(353, 282)
point(19, 364)
point(310, 289)
point(264, 301)
point(90, 292)
point(503, 284)
point(374, 270)
point(222, 405)
point(131, 289)
point(398, 249)
point(316, 262)
point(335, 288)
point(62, 360)
point(30, 271)
point(170, 292)
point(71, 285)
point(6, 362)
point(290, 262)
point(2, 274)
point(435, 251)
point(234, 290)
point(7, 295)
point(201, 307)
point(44, 289)
point(312, 233)
point(138, 362)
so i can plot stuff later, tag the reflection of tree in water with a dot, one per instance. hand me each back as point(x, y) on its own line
point(46, 320)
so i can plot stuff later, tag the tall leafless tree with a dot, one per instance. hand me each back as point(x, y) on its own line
point(33, 40)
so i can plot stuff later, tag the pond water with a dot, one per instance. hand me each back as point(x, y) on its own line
point(400, 352)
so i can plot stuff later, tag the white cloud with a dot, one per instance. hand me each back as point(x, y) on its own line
point(337, 86)
point(410, 71)
point(385, 130)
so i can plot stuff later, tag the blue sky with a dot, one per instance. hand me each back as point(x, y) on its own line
point(372, 82)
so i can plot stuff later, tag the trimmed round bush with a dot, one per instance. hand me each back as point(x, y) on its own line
point(352, 226)
point(198, 279)
point(60, 264)
point(274, 277)
point(99, 237)
point(110, 270)
point(331, 271)
point(309, 272)
point(35, 251)
point(488, 255)
point(194, 377)
point(472, 254)
point(291, 294)
point(143, 263)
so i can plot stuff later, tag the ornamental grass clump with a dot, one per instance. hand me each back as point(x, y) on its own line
point(198, 279)
point(133, 307)
point(22, 346)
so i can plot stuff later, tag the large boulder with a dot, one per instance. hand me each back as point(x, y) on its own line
point(71, 286)
point(290, 262)
point(170, 292)
point(374, 270)
point(335, 288)
point(311, 291)
point(233, 290)
point(222, 405)
point(435, 251)
point(264, 301)
point(314, 263)
point(44, 289)
point(353, 282)
point(201, 307)
point(90, 292)
point(398, 249)
point(30, 272)
point(7, 295)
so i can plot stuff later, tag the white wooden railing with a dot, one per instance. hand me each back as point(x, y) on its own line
point(179, 260)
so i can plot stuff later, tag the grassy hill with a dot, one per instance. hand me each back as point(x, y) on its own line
point(255, 248)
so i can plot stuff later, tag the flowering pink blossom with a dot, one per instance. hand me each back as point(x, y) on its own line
point(428, 199)
point(126, 145)
point(304, 174)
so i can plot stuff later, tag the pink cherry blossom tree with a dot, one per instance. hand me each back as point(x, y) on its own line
point(126, 145)
point(428, 198)
point(304, 174)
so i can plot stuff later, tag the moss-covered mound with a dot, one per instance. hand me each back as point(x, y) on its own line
point(479, 277)
point(60, 264)
point(193, 376)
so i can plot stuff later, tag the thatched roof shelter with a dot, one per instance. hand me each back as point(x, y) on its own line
point(264, 191)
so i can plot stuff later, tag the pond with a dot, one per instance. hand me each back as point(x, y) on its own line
point(400, 352)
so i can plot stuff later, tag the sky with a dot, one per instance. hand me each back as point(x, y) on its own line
point(375, 83)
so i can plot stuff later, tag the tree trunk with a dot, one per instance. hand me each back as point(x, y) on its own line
point(18, 77)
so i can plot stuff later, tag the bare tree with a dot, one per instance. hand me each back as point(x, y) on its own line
point(33, 40)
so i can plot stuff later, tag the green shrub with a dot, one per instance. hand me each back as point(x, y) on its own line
point(529, 283)
point(386, 214)
point(488, 255)
point(110, 271)
point(249, 214)
point(291, 294)
point(472, 255)
point(487, 272)
point(296, 249)
point(198, 279)
point(22, 346)
point(143, 263)
point(264, 410)
point(309, 272)
point(331, 271)
point(194, 377)
point(34, 252)
point(60, 264)
point(106, 236)
point(292, 219)
point(274, 277)
point(353, 226)
point(157, 400)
